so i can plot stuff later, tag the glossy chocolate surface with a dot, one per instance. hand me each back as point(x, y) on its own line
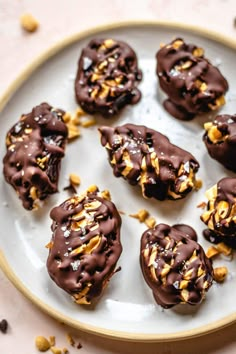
point(107, 77)
point(85, 245)
point(146, 157)
point(174, 266)
point(35, 146)
point(193, 85)
point(220, 140)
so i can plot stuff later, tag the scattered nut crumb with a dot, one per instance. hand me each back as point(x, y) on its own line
point(150, 222)
point(141, 215)
point(49, 246)
point(202, 205)
point(106, 194)
point(42, 344)
point(29, 23)
point(70, 339)
point(88, 122)
point(212, 252)
point(220, 274)
point(198, 184)
point(3, 326)
point(74, 179)
point(92, 188)
point(56, 350)
point(223, 248)
point(73, 131)
point(65, 351)
point(66, 117)
point(52, 341)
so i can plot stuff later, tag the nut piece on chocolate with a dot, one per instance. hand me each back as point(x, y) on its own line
point(35, 146)
point(220, 216)
point(146, 157)
point(174, 266)
point(85, 245)
point(107, 77)
point(220, 140)
point(193, 85)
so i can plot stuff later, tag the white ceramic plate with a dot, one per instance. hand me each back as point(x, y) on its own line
point(127, 308)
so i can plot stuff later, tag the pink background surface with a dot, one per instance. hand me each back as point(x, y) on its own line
point(59, 19)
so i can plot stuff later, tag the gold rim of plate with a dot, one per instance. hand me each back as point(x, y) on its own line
point(5, 266)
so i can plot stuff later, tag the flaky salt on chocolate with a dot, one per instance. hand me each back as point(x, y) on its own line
point(145, 157)
point(193, 85)
point(107, 77)
point(174, 266)
point(220, 140)
point(85, 245)
point(35, 146)
point(220, 216)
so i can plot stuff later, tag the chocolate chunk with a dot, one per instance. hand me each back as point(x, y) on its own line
point(174, 266)
point(220, 216)
point(193, 85)
point(107, 77)
point(85, 245)
point(146, 157)
point(3, 326)
point(220, 140)
point(35, 146)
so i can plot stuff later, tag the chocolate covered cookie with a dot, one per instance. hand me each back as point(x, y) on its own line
point(174, 266)
point(85, 245)
point(193, 85)
point(146, 157)
point(220, 140)
point(35, 146)
point(220, 216)
point(107, 77)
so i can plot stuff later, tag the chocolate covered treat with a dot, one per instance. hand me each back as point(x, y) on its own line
point(85, 245)
point(193, 85)
point(220, 216)
point(107, 77)
point(146, 157)
point(174, 266)
point(35, 146)
point(220, 140)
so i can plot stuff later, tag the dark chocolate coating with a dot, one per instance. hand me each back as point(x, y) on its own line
point(187, 230)
point(221, 213)
point(224, 148)
point(174, 266)
point(85, 245)
point(35, 147)
point(193, 85)
point(107, 77)
point(146, 157)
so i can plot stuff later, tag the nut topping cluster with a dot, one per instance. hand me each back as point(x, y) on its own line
point(220, 216)
point(107, 77)
point(35, 146)
point(146, 157)
point(85, 245)
point(193, 85)
point(174, 266)
point(220, 140)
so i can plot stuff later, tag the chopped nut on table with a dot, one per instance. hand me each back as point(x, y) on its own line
point(29, 23)
point(42, 343)
point(219, 274)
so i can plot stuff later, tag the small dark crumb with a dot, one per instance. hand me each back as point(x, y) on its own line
point(70, 188)
point(79, 346)
point(3, 326)
point(234, 21)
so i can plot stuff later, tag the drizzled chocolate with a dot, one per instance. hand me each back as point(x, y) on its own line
point(220, 140)
point(146, 157)
point(107, 77)
point(220, 216)
point(193, 85)
point(174, 266)
point(35, 146)
point(85, 245)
